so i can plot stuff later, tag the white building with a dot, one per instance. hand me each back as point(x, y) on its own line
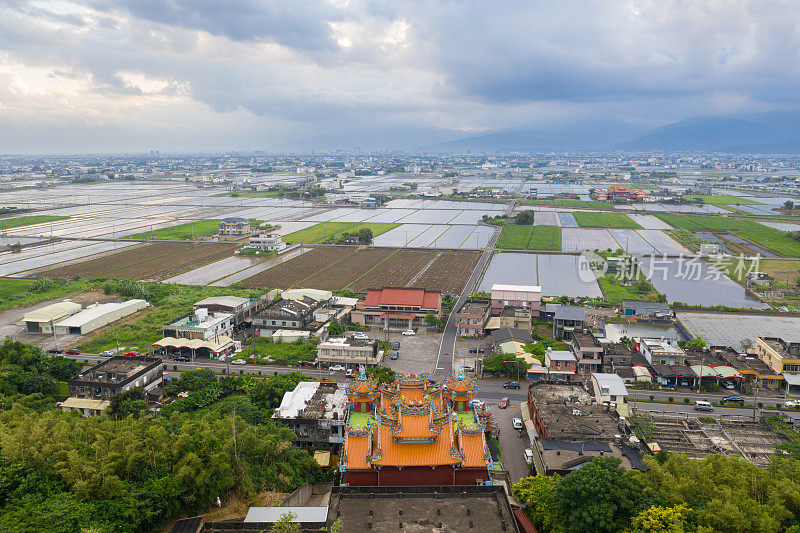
point(98, 315)
point(270, 242)
point(516, 296)
point(662, 352)
point(610, 389)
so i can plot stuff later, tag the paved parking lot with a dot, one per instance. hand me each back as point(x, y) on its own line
point(511, 445)
point(416, 354)
point(464, 358)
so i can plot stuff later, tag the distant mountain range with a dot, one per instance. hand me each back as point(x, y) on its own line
point(754, 133)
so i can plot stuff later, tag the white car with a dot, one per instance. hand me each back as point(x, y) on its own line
point(409, 332)
point(360, 335)
point(238, 362)
point(791, 403)
point(107, 353)
point(528, 454)
point(517, 423)
point(336, 368)
point(728, 385)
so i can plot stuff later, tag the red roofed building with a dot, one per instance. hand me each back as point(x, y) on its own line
point(415, 432)
point(397, 306)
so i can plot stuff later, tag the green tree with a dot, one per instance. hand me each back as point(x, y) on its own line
point(432, 320)
point(698, 343)
point(537, 494)
point(788, 205)
point(615, 497)
point(267, 393)
point(365, 235)
point(383, 374)
point(660, 519)
point(505, 363)
point(286, 524)
point(524, 218)
point(335, 328)
point(129, 403)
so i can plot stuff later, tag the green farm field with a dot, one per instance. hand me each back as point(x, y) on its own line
point(604, 220)
point(725, 200)
point(329, 230)
point(201, 228)
point(571, 202)
point(759, 234)
point(515, 237)
point(29, 220)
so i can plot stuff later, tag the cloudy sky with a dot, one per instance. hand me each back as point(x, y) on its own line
point(103, 75)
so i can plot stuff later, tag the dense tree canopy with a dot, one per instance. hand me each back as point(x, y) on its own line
point(716, 494)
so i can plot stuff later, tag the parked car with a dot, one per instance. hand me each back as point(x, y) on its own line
point(393, 356)
point(683, 383)
point(106, 353)
point(791, 403)
point(239, 362)
point(467, 368)
point(396, 345)
point(733, 399)
point(73, 351)
point(473, 349)
point(517, 423)
point(511, 385)
point(131, 354)
point(728, 385)
point(55, 350)
point(527, 453)
point(181, 359)
point(503, 402)
point(409, 332)
point(337, 368)
point(360, 335)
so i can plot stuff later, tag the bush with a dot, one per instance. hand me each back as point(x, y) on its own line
point(687, 400)
point(760, 405)
point(652, 397)
point(671, 399)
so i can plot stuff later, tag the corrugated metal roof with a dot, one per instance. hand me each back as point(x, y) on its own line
point(314, 514)
point(92, 313)
point(610, 384)
point(52, 312)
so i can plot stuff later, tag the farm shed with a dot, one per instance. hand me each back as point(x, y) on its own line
point(98, 315)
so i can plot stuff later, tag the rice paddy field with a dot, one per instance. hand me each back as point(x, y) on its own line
point(759, 234)
point(190, 230)
point(331, 230)
point(29, 220)
point(515, 237)
point(587, 219)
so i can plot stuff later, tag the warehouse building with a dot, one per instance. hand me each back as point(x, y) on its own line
point(98, 315)
point(41, 320)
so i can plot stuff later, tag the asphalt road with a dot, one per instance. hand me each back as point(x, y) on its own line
point(447, 348)
point(769, 397)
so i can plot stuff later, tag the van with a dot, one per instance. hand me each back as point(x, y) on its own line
point(701, 405)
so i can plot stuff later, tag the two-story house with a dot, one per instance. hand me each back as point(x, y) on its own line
point(588, 351)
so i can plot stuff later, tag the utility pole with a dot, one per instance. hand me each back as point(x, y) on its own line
point(755, 398)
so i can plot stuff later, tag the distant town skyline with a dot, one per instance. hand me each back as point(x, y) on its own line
point(100, 76)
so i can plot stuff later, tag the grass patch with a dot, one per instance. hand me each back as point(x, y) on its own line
point(785, 272)
point(604, 220)
point(15, 293)
point(182, 232)
point(266, 352)
point(330, 230)
point(769, 238)
point(686, 238)
point(571, 202)
point(641, 290)
point(29, 220)
point(170, 302)
point(724, 200)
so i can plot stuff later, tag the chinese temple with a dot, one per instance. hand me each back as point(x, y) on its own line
point(415, 432)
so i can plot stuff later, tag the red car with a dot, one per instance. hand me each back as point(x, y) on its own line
point(503, 402)
point(73, 351)
point(131, 354)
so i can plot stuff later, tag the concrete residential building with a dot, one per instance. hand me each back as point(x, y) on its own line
point(85, 406)
point(235, 227)
point(472, 317)
point(516, 296)
point(349, 352)
point(610, 389)
point(512, 317)
point(115, 375)
point(200, 325)
point(616, 355)
point(783, 357)
point(661, 351)
point(567, 319)
point(240, 308)
point(287, 314)
point(42, 320)
point(401, 307)
point(566, 430)
point(561, 365)
point(98, 315)
point(588, 351)
point(316, 413)
point(270, 242)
